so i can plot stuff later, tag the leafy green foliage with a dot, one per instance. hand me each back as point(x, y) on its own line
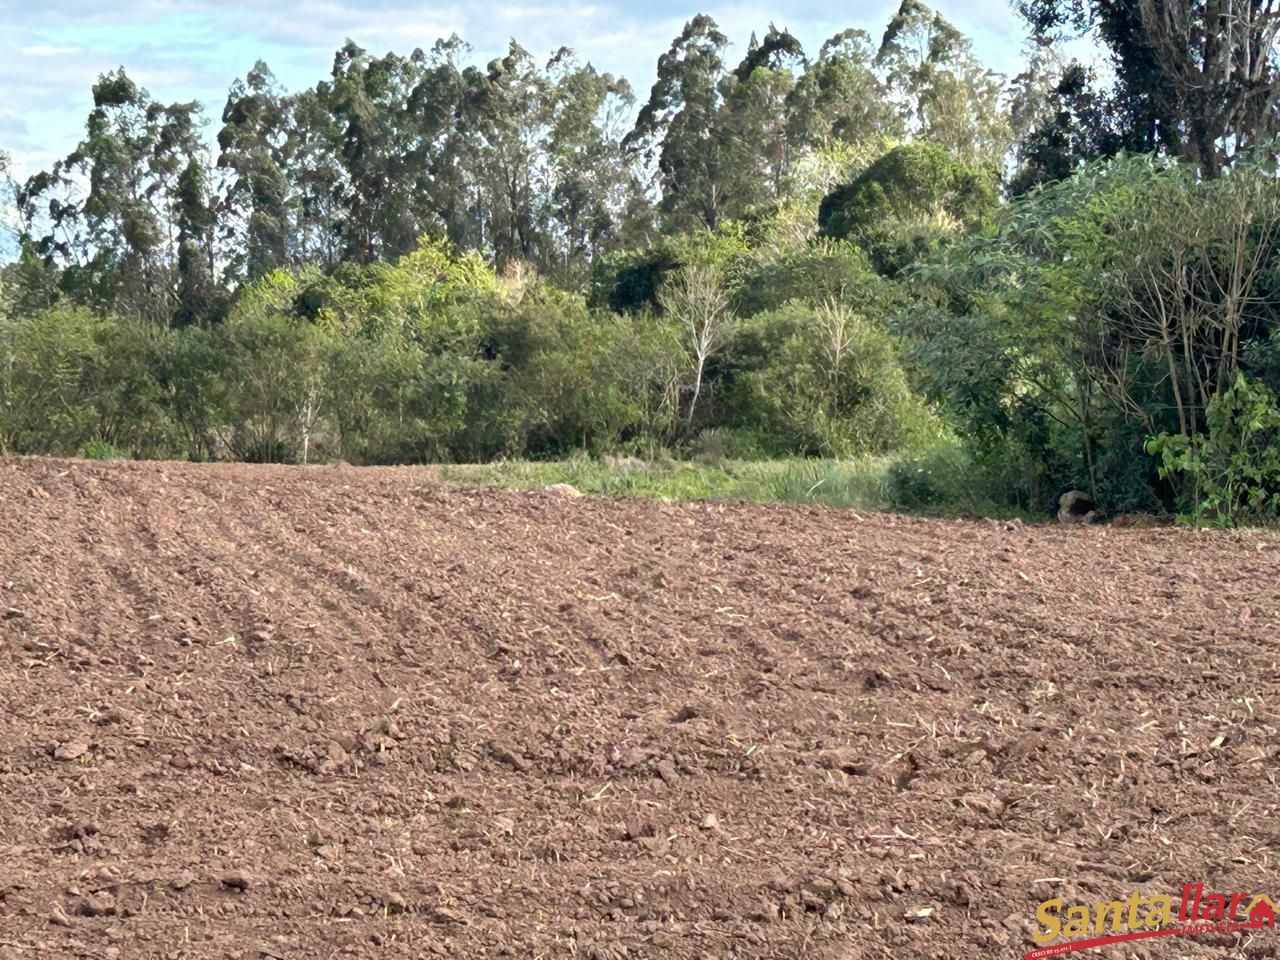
point(907, 202)
point(1232, 475)
point(1098, 311)
point(427, 258)
point(68, 377)
point(822, 380)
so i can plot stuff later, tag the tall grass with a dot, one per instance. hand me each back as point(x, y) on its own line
point(861, 484)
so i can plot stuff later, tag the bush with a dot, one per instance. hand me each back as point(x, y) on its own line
point(101, 450)
point(629, 281)
point(822, 270)
point(907, 201)
point(271, 383)
point(947, 479)
point(41, 361)
point(391, 402)
point(1232, 475)
point(826, 381)
point(68, 377)
point(122, 386)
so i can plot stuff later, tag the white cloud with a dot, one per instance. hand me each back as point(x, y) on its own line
point(46, 50)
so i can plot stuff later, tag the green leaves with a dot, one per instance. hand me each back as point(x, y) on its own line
point(942, 91)
point(907, 202)
point(1232, 475)
point(824, 379)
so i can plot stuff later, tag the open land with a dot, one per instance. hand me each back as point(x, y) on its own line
point(324, 712)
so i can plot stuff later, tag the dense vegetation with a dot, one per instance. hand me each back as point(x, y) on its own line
point(1000, 289)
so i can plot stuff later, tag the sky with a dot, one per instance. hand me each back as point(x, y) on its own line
point(52, 51)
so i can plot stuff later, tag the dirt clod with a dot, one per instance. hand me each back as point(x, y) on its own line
point(95, 905)
point(71, 750)
point(183, 880)
point(511, 756)
point(563, 490)
point(236, 880)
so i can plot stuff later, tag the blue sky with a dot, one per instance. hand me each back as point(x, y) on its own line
point(52, 51)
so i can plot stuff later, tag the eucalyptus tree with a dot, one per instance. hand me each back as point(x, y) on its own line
point(594, 191)
point(368, 99)
point(751, 128)
point(441, 167)
point(8, 210)
point(315, 176)
point(676, 127)
point(839, 97)
point(108, 212)
point(200, 299)
point(506, 109)
point(943, 91)
point(254, 141)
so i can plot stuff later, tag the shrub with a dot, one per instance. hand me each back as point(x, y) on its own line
point(947, 479)
point(826, 381)
point(101, 450)
point(906, 201)
point(42, 358)
point(1232, 475)
point(271, 376)
point(822, 270)
point(68, 377)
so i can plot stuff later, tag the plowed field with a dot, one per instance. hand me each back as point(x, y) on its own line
point(331, 712)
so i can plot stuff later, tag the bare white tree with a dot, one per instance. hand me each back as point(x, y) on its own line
point(695, 299)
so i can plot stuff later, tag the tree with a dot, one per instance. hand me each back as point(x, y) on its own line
point(8, 208)
point(507, 109)
point(695, 300)
point(254, 142)
point(1115, 305)
point(443, 159)
point(677, 127)
point(839, 98)
point(199, 298)
point(595, 194)
point(315, 179)
point(1060, 132)
point(943, 92)
point(751, 132)
point(118, 244)
point(1194, 283)
point(368, 101)
point(1196, 78)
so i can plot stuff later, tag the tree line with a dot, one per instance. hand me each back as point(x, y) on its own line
point(1010, 286)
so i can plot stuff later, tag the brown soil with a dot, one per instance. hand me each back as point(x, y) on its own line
point(310, 713)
